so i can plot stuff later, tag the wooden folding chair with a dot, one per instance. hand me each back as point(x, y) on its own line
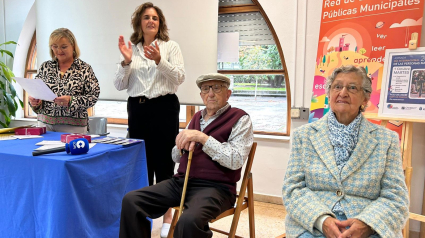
point(241, 204)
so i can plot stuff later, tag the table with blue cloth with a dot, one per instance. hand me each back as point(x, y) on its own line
point(61, 195)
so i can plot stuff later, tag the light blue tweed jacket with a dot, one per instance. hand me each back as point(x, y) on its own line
point(371, 183)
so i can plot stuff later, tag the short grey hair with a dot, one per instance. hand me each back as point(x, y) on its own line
point(360, 71)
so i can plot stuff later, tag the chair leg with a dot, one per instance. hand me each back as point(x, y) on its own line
point(173, 224)
point(236, 215)
point(406, 230)
point(251, 207)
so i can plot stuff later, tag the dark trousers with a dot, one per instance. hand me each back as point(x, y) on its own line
point(204, 201)
point(157, 122)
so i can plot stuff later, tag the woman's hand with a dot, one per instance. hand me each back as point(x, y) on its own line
point(358, 229)
point(330, 228)
point(153, 53)
point(126, 52)
point(63, 101)
point(34, 102)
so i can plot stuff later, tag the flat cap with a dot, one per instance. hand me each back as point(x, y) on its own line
point(212, 76)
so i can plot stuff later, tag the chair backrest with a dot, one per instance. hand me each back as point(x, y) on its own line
point(242, 202)
point(244, 184)
point(240, 205)
point(247, 169)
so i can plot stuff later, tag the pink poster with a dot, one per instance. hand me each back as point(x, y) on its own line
point(358, 32)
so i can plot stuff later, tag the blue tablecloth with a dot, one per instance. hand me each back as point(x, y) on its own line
point(60, 195)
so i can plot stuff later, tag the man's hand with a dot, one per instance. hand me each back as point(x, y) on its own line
point(358, 229)
point(187, 139)
point(330, 228)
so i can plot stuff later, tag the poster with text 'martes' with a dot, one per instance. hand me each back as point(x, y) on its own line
point(358, 32)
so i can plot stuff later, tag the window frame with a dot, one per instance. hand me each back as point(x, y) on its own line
point(30, 68)
point(256, 7)
point(190, 112)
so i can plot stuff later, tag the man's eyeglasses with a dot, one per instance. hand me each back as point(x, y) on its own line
point(216, 88)
point(350, 88)
point(63, 48)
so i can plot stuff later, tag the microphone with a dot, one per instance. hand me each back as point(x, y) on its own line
point(74, 147)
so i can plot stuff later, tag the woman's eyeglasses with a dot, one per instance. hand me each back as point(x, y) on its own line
point(350, 88)
point(63, 48)
point(216, 88)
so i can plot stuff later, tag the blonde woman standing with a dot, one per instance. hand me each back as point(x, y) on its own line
point(72, 80)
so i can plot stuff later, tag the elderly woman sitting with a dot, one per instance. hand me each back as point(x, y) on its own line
point(345, 177)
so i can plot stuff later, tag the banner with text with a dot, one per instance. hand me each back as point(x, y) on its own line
point(358, 32)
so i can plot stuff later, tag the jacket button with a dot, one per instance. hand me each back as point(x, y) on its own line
point(339, 193)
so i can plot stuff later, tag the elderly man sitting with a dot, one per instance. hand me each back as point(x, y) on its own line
point(220, 137)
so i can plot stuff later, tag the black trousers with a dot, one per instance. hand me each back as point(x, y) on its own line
point(157, 122)
point(204, 201)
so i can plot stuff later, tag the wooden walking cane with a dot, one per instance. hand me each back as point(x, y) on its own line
point(185, 183)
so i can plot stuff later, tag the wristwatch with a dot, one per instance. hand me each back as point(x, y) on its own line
point(124, 64)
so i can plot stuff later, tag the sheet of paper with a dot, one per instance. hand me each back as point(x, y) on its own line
point(50, 142)
point(7, 136)
point(36, 88)
point(21, 137)
point(45, 147)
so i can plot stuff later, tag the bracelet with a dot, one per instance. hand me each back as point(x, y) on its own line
point(124, 64)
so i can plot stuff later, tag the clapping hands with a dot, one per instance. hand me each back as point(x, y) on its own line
point(126, 52)
point(153, 53)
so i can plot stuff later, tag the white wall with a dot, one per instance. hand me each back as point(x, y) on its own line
point(297, 24)
point(97, 36)
point(13, 14)
point(12, 17)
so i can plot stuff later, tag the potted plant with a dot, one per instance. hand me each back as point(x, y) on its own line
point(8, 98)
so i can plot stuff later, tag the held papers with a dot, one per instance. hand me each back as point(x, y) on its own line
point(36, 88)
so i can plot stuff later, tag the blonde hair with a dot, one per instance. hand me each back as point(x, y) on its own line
point(61, 33)
point(136, 22)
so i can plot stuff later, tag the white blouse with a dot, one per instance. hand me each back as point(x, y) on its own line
point(144, 78)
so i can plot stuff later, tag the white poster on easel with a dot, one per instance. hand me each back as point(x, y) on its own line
point(403, 84)
point(228, 47)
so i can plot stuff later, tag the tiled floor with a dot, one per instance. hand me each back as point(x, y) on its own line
point(269, 222)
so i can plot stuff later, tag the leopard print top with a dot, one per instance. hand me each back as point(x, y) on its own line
point(79, 81)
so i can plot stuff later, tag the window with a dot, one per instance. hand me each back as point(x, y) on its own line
point(30, 72)
point(118, 109)
point(258, 74)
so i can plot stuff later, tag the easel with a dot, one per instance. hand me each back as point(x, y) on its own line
point(407, 130)
point(406, 152)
